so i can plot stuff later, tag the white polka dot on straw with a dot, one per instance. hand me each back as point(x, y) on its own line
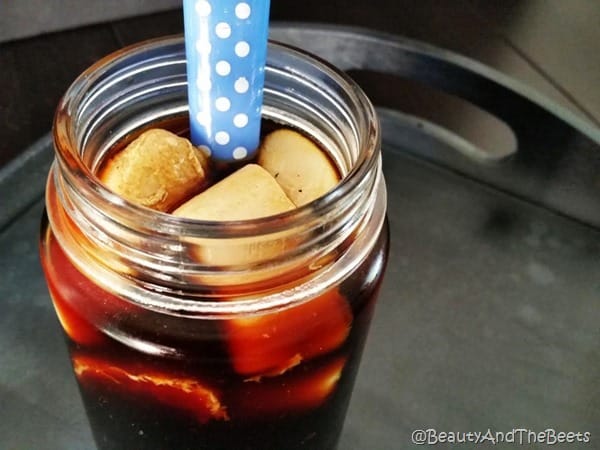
point(203, 46)
point(203, 8)
point(223, 68)
point(241, 85)
point(242, 49)
point(203, 82)
point(222, 104)
point(240, 120)
point(222, 137)
point(205, 149)
point(242, 10)
point(223, 30)
point(203, 118)
point(240, 152)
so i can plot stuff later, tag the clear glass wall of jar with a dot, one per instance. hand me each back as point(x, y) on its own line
point(255, 348)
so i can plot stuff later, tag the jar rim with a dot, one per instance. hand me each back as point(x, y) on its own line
point(64, 145)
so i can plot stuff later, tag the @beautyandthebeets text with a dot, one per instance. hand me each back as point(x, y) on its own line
point(517, 436)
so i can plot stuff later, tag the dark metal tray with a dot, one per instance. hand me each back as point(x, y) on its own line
point(489, 315)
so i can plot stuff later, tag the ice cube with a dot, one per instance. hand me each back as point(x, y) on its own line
point(158, 170)
point(270, 344)
point(301, 168)
point(295, 392)
point(248, 193)
point(185, 394)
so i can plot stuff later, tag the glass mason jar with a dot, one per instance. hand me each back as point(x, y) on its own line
point(256, 347)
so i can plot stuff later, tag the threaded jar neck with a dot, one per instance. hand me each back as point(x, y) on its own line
point(151, 257)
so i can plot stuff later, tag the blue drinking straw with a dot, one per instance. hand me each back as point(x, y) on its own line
point(226, 50)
